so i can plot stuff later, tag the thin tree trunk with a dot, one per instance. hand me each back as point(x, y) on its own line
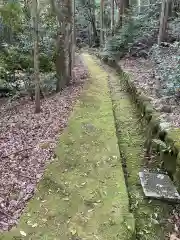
point(60, 62)
point(95, 39)
point(163, 21)
point(90, 34)
point(95, 35)
point(73, 33)
point(60, 56)
point(120, 13)
point(69, 47)
point(102, 23)
point(36, 55)
point(112, 16)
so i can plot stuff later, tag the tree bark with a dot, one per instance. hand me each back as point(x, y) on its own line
point(163, 21)
point(60, 56)
point(123, 5)
point(92, 24)
point(102, 23)
point(60, 59)
point(73, 34)
point(70, 53)
point(36, 55)
point(112, 17)
point(90, 34)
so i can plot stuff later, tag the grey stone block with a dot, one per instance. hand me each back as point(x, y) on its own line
point(158, 186)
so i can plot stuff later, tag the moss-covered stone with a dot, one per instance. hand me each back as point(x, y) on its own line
point(158, 145)
point(148, 112)
point(112, 62)
point(173, 139)
point(154, 124)
point(169, 161)
point(132, 87)
point(177, 173)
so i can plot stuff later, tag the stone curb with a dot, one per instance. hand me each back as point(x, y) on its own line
point(160, 137)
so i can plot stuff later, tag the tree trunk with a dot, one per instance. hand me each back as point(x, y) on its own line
point(36, 55)
point(120, 12)
point(112, 16)
point(69, 39)
point(163, 21)
point(102, 23)
point(60, 56)
point(95, 34)
point(89, 35)
point(95, 38)
point(73, 34)
point(60, 59)
point(123, 6)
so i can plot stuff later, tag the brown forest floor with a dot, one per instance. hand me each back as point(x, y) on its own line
point(143, 75)
point(27, 141)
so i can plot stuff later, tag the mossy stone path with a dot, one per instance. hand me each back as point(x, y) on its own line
point(82, 195)
point(150, 215)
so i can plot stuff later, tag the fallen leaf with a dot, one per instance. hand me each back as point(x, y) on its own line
point(29, 223)
point(23, 233)
point(34, 225)
point(66, 199)
point(84, 183)
point(44, 219)
point(73, 232)
point(90, 210)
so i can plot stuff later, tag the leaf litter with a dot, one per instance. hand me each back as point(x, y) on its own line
point(27, 143)
point(146, 79)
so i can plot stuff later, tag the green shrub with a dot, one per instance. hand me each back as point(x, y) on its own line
point(130, 34)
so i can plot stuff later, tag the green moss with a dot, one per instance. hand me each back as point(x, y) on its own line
point(148, 112)
point(177, 173)
point(82, 194)
point(173, 139)
point(131, 139)
point(169, 161)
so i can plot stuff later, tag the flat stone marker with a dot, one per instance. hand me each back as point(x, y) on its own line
point(158, 186)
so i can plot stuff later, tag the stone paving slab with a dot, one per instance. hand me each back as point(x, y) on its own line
point(158, 186)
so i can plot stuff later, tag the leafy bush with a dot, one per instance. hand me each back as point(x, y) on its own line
point(48, 83)
point(16, 59)
point(129, 37)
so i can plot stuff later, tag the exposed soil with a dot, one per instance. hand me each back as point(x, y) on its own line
point(27, 143)
point(145, 79)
